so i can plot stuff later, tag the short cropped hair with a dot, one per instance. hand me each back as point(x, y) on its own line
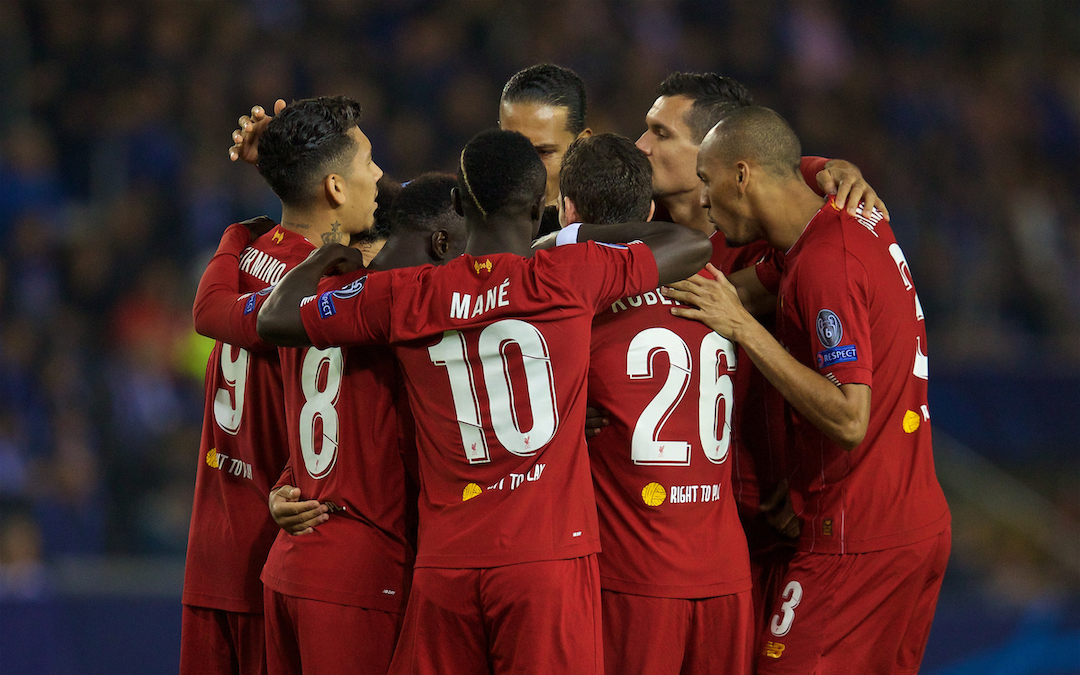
point(608, 178)
point(760, 135)
point(306, 142)
point(551, 85)
point(424, 205)
point(500, 171)
point(713, 96)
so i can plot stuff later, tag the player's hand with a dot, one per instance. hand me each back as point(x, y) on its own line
point(246, 138)
point(335, 259)
point(294, 516)
point(845, 180)
point(780, 513)
point(595, 421)
point(258, 226)
point(715, 302)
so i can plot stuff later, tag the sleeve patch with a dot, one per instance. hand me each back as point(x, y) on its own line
point(842, 354)
point(326, 305)
point(250, 304)
point(829, 329)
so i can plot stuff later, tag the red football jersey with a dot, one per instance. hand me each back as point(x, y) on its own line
point(848, 309)
point(342, 411)
point(494, 351)
point(243, 445)
point(662, 470)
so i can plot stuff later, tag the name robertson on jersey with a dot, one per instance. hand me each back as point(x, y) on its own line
point(262, 266)
point(462, 305)
point(647, 298)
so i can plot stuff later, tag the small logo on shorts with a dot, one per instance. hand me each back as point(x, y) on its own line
point(773, 650)
point(826, 527)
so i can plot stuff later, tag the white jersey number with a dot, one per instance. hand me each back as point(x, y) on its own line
point(781, 622)
point(229, 406)
point(922, 363)
point(452, 353)
point(320, 379)
point(714, 391)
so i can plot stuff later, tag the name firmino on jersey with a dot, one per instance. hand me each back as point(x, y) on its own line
point(262, 266)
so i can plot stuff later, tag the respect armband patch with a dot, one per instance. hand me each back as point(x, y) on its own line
point(841, 354)
point(326, 305)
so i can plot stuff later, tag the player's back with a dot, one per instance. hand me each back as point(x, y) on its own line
point(242, 449)
point(342, 410)
point(494, 351)
point(662, 469)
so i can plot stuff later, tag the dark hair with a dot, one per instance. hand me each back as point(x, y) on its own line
point(308, 140)
point(761, 135)
point(608, 178)
point(424, 205)
point(499, 170)
point(713, 96)
point(551, 85)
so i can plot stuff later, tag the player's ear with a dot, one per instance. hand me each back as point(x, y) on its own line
point(652, 209)
point(585, 133)
point(439, 244)
point(570, 211)
point(334, 189)
point(455, 198)
point(538, 208)
point(742, 177)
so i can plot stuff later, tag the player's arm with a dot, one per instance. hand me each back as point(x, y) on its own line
point(757, 299)
point(843, 179)
point(215, 307)
point(679, 251)
point(279, 321)
point(841, 412)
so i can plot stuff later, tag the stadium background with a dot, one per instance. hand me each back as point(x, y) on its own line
point(115, 185)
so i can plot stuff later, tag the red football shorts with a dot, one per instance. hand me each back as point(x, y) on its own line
point(855, 613)
point(310, 636)
point(673, 636)
point(216, 642)
point(536, 617)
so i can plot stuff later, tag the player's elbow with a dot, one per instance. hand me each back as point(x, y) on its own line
point(850, 435)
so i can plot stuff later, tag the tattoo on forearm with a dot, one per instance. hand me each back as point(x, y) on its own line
point(334, 236)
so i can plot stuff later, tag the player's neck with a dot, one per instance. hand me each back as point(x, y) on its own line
point(787, 211)
point(319, 226)
point(501, 234)
point(685, 209)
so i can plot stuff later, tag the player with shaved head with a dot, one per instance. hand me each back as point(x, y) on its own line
point(860, 593)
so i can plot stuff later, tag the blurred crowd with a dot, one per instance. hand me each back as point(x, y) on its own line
point(115, 185)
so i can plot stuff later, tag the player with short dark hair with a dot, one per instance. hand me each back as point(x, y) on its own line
point(674, 568)
point(494, 351)
point(547, 104)
point(244, 441)
point(859, 596)
point(608, 179)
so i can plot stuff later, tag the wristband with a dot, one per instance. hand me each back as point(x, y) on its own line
point(567, 235)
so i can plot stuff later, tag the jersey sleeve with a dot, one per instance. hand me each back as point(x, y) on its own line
point(351, 309)
point(833, 300)
point(607, 272)
point(220, 311)
point(810, 168)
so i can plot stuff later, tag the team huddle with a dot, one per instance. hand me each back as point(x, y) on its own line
point(588, 406)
